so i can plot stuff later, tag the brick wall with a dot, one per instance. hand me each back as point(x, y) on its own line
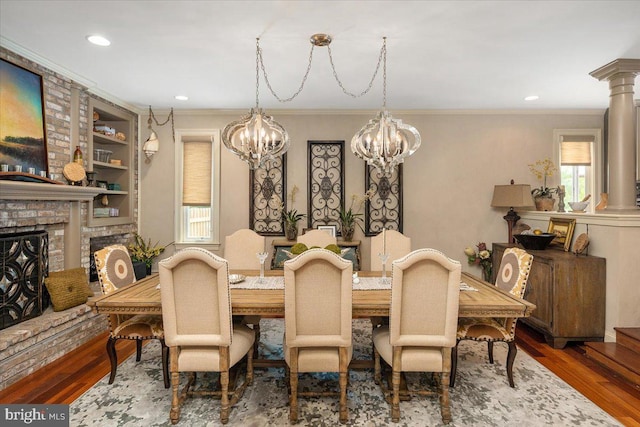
point(15, 215)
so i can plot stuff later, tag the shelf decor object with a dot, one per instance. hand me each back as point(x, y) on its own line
point(512, 196)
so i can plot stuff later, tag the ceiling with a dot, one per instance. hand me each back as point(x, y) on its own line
point(441, 54)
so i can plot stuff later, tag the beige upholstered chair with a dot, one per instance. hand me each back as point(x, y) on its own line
point(318, 238)
point(512, 277)
point(196, 309)
point(397, 246)
point(422, 324)
point(241, 247)
point(317, 294)
point(240, 251)
point(115, 270)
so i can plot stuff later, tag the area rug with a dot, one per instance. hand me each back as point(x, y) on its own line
point(481, 397)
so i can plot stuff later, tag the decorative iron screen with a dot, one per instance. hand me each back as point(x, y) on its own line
point(384, 207)
point(267, 195)
point(325, 179)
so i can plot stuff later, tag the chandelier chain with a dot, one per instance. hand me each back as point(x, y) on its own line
point(266, 77)
point(384, 75)
point(383, 52)
point(258, 73)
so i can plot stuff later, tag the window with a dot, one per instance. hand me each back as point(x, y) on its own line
point(578, 154)
point(197, 186)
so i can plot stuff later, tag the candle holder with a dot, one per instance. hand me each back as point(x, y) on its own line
point(384, 257)
point(262, 256)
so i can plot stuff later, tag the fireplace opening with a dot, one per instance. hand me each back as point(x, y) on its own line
point(24, 263)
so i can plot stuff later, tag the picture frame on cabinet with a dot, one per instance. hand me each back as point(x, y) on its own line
point(563, 229)
point(331, 229)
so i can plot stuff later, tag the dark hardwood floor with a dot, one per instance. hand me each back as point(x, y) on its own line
point(67, 378)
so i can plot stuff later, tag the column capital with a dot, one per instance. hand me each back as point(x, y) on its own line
point(613, 68)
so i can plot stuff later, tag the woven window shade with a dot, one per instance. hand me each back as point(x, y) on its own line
point(575, 150)
point(196, 173)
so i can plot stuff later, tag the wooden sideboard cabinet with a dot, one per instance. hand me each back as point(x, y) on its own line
point(568, 291)
point(280, 245)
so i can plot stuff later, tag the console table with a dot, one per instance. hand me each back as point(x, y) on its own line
point(568, 291)
point(281, 245)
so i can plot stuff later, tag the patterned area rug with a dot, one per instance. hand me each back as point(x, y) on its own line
point(481, 397)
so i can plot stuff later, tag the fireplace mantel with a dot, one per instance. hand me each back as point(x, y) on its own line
point(18, 190)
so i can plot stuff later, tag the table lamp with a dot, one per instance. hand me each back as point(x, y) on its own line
point(512, 196)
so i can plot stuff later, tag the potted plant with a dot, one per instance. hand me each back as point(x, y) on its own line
point(543, 195)
point(144, 251)
point(349, 218)
point(290, 220)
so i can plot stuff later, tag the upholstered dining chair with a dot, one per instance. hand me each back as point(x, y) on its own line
point(318, 238)
point(317, 297)
point(240, 251)
point(196, 308)
point(512, 277)
point(397, 245)
point(115, 269)
point(422, 325)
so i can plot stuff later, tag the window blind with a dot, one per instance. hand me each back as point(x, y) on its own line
point(575, 150)
point(196, 182)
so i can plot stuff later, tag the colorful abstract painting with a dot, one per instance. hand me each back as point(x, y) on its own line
point(22, 129)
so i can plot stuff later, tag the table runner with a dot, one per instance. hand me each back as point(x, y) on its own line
point(365, 283)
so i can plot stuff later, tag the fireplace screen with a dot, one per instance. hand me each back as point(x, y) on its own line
point(24, 264)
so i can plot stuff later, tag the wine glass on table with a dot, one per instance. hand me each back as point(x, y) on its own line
point(262, 257)
point(384, 257)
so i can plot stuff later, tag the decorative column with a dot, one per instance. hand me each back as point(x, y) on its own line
point(621, 139)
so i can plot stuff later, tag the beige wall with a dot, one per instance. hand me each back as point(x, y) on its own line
point(448, 183)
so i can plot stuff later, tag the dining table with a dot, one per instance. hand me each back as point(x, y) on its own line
point(265, 298)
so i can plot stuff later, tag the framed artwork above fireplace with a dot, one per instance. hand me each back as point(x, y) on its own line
point(23, 138)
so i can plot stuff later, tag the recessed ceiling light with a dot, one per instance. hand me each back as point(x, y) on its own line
point(181, 97)
point(531, 98)
point(98, 40)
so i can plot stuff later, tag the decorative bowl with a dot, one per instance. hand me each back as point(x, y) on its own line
point(578, 206)
point(100, 155)
point(535, 241)
point(236, 278)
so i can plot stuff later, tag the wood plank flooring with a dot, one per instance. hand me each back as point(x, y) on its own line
point(67, 378)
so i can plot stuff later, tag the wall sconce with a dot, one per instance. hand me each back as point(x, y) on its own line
point(152, 144)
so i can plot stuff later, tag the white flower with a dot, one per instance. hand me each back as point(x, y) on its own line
point(484, 254)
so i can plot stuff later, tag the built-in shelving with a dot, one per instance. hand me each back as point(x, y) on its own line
point(122, 149)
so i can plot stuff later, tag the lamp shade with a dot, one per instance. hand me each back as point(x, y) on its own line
point(512, 196)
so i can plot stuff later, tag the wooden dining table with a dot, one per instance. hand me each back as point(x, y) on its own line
point(143, 297)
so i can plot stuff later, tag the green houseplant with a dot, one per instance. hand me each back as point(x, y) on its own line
point(144, 251)
point(290, 220)
point(350, 218)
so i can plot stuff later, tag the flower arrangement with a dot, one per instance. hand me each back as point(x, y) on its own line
point(482, 258)
point(144, 251)
point(543, 169)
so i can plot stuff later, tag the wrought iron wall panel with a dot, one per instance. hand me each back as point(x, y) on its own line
point(267, 196)
point(384, 207)
point(325, 178)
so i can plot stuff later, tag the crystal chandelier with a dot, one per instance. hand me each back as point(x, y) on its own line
point(384, 142)
point(256, 138)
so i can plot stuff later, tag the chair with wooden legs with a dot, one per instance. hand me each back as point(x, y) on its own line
point(196, 307)
point(512, 277)
point(240, 251)
point(422, 325)
point(115, 269)
point(317, 293)
point(318, 238)
point(396, 244)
